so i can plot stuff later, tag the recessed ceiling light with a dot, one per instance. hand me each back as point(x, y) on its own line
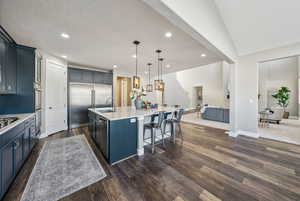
point(64, 35)
point(115, 66)
point(168, 66)
point(168, 34)
point(203, 55)
point(146, 72)
point(64, 56)
point(134, 56)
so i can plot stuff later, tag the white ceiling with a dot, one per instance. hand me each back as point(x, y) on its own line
point(257, 25)
point(101, 33)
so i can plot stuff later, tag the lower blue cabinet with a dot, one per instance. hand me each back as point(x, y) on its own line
point(18, 153)
point(15, 147)
point(7, 161)
point(122, 139)
point(116, 139)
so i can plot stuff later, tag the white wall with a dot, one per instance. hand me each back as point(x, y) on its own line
point(180, 86)
point(60, 61)
point(275, 74)
point(246, 85)
point(200, 19)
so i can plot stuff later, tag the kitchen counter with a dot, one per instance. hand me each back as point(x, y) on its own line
point(128, 112)
point(118, 114)
point(21, 119)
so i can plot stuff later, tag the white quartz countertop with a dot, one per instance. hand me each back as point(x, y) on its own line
point(129, 112)
point(21, 119)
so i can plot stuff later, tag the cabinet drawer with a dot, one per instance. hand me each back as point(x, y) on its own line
point(30, 121)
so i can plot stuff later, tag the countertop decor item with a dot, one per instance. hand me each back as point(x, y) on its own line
point(136, 79)
point(64, 166)
point(136, 96)
point(283, 98)
point(149, 87)
point(157, 81)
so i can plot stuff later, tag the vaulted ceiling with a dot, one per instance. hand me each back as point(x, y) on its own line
point(101, 33)
point(257, 25)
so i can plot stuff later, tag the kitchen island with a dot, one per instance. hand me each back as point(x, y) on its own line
point(118, 132)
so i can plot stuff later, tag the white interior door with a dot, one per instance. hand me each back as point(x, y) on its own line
point(56, 98)
point(124, 92)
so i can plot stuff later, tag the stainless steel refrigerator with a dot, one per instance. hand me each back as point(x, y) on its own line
point(83, 96)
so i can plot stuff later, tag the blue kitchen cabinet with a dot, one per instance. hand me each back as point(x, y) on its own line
point(116, 139)
point(103, 78)
point(2, 63)
point(88, 76)
point(75, 75)
point(15, 147)
point(18, 152)
point(122, 139)
point(7, 162)
point(11, 68)
point(8, 67)
point(26, 142)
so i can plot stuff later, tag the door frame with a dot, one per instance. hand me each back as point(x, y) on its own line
point(65, 68)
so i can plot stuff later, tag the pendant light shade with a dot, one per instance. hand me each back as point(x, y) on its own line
point(136, 79)
point(157, 81)
point(161, 82)
point(149, 87)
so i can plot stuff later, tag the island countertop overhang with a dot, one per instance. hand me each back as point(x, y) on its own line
point(128, 112)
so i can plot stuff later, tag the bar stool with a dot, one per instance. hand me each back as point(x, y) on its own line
point(154, 126)
point(175, 120)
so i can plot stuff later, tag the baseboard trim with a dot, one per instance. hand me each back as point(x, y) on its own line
point(43, 135)
point(248, 134)
point(233, 134)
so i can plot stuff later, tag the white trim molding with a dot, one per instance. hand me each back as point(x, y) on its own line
point(244, 133)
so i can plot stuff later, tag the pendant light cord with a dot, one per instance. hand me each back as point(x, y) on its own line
point(136, 59)
point(149, 74)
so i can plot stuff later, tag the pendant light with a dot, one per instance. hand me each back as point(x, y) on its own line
point(136, 79)
point(157, 81)
point(162, 84)
point(149, 87)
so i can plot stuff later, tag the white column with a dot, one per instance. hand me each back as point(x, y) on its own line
point(140, 144)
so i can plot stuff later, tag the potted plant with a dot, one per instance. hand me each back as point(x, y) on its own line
point(283, 97)
point(136, 97)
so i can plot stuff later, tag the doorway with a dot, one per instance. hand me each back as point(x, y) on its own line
point(123, 91)
point(198, 98)
point(279, 121)
point(56, 98)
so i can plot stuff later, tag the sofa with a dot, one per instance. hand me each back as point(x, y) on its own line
point(276, 116)
point(216, 114)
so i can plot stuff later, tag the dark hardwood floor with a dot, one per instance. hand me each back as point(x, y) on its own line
point(208, 165)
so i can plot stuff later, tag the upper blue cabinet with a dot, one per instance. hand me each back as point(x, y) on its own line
point(8, 67)
point(88, 76)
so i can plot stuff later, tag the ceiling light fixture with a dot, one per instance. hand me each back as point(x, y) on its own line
point(168, 34)
point(64, 56)
point(168, 66)
point(64, 35)
point(133, 56)
point(136, 79)
point(203, 55)
point(115, 66)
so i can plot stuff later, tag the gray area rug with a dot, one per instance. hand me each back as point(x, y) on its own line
point(64, 166)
